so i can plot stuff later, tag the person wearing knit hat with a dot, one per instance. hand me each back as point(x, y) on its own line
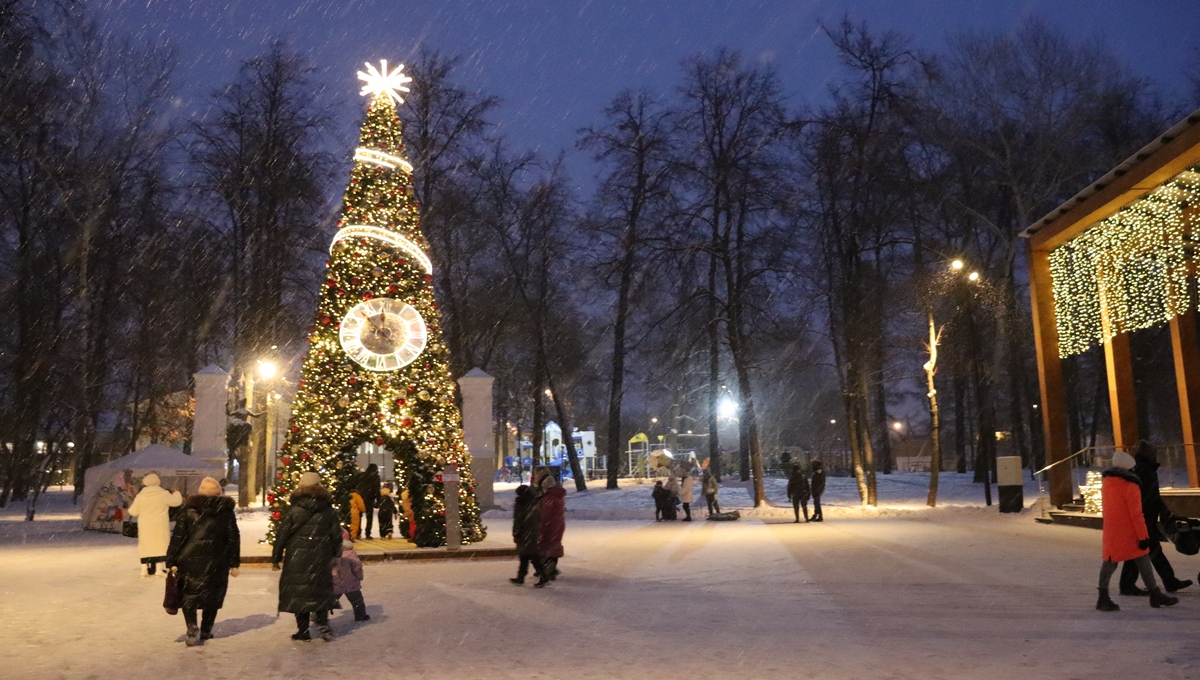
point(1125, 536)
point(308, 544)
point(205, 551)
point(152, 508)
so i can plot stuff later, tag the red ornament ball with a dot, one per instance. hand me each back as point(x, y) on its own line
point(368, 295)
point(407, 422)
point(401, 402)
point(326, 320)
point(275, 515)
point(295, 428)
point(429, 278)
point(352, 380)
point(379, 441)
point(286, 460)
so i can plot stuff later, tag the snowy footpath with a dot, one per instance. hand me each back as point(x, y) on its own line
point(901, 593)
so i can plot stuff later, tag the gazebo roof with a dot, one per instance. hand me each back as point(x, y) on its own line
point(1169, 154)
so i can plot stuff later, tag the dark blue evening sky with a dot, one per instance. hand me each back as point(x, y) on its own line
point(557, 62)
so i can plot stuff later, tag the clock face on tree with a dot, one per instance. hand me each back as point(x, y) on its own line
point(383, 334)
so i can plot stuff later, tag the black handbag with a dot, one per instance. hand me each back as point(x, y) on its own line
point(173, 597)
point(1185, 539)
point(129, 529)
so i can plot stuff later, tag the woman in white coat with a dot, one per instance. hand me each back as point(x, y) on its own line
point(152, 507)
point(685, 495)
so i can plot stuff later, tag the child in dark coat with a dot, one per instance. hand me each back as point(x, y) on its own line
point(347, 579)
point(527, 520)
point(387, 510)
point(661, 496)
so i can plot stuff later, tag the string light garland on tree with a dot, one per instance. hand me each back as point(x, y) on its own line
point(377, 369)
point(1130, 270)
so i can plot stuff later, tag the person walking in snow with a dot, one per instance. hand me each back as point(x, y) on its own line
point(1154, 510)
point(152, 508)
point(308, 544)
point(347, 578)
point(551, 526)
point(708, 484)
point(817, 487)
point(526, 529)
point(685, 495)
point(1125, 536)
point(357, 507)
point(387, 511)
point(798, 491)
point(205, 551)
point(368, 487)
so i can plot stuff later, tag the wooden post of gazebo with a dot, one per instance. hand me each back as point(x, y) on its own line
point(1050, 375)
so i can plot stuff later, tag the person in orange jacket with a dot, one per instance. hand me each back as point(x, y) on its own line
point(357, 508)
point(1125, 535)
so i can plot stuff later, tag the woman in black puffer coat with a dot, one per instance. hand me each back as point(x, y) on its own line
point(308, 543)
point(206, 550)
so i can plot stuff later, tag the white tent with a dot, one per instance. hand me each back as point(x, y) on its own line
point(110, 487)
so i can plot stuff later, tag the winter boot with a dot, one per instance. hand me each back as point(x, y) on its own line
point(144, 570)
point(325, 632)
point(517, 581)
point(1134, 591)
point(1177, 584)
point(542, 582)
point(1105, 603)
point(1161, 599)
point(301, 636)
point(193, 636)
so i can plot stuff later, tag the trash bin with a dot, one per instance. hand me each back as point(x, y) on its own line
point(1009, 479)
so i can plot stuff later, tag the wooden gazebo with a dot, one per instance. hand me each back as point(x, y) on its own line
point(1120, 256)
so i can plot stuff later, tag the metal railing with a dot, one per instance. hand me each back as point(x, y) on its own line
point(1172, 471)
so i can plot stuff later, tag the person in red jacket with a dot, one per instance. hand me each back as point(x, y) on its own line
point(1125, 535)
point(551, 528)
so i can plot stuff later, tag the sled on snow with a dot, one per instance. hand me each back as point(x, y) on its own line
point(725, 516)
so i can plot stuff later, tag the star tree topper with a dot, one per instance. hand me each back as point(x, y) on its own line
point(384, 82)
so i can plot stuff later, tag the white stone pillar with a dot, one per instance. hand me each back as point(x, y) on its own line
point(208, 428)
point(478, 431)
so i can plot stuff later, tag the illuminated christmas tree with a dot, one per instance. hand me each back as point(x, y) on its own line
point(377, 369)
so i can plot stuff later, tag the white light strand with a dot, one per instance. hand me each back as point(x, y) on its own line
point(385, 160)
point(387, 236)
point(1130, 270)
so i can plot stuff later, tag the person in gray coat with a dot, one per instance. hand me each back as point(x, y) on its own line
point(308, 544)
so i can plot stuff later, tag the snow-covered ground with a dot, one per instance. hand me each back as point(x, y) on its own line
point(898, 493)
point(957, 592)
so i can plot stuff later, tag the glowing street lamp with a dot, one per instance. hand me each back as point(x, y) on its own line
point(728, 408)
point(266, 369)
point(956, 265)
point(973, 276)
